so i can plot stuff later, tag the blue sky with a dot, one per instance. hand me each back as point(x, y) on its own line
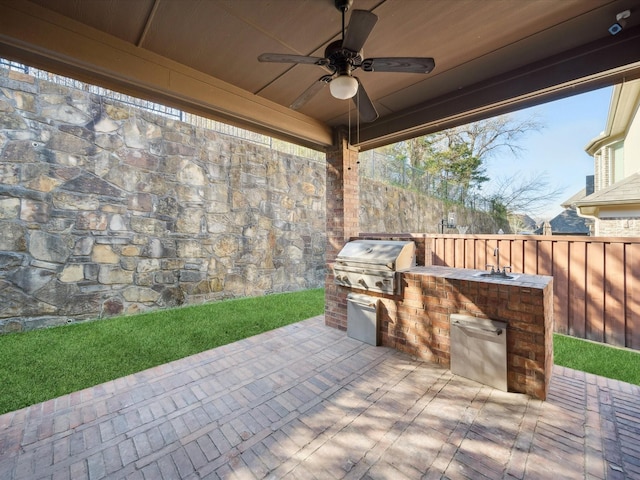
point(558, 149)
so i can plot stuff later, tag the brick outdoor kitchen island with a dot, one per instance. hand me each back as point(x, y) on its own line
point(417, 321)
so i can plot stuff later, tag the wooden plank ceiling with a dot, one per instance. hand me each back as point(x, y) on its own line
point(491, 56)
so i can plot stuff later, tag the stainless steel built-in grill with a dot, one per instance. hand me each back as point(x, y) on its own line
point(373, 265)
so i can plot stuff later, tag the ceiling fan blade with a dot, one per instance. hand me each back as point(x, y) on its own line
point(360, 26)
point(399, 64)
point(286, 58)
point(364, 104)
point(310, 92)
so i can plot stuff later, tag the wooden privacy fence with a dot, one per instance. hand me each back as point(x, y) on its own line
point(596, 279)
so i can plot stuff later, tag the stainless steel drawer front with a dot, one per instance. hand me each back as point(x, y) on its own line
point(479, 350)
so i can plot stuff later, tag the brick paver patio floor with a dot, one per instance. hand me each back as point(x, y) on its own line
point(306, 401)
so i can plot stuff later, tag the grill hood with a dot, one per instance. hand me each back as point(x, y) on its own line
point(373, 265)
point(378, 254)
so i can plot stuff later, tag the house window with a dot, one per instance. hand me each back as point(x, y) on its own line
point(597, 170)
point(617, 163)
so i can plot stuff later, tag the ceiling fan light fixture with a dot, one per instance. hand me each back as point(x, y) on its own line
point(343, 87)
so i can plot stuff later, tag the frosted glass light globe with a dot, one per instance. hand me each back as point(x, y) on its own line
point(343, 87)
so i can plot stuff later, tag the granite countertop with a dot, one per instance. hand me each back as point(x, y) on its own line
point(519, 279)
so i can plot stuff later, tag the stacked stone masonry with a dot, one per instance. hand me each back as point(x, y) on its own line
point(618, 227)
point(386, 208)
point(108, 210)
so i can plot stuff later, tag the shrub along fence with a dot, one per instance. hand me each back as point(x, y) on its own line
point(596, 279)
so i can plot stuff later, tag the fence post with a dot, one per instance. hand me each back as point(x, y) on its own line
point(404, 173)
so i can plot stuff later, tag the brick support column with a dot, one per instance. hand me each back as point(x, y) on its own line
point(343, 209)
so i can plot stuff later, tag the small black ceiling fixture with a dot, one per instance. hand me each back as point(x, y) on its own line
point(344, 56)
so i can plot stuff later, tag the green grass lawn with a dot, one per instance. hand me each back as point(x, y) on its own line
point(611, 362)
point(43, 364)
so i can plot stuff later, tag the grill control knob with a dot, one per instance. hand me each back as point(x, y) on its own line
point(362, 282)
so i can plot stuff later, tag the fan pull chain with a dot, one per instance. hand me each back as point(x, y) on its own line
point(349, 130)
point(349, 121)
point(358, 122)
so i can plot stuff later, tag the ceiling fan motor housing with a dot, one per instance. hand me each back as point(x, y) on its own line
point(342, 59)
point(343, 5)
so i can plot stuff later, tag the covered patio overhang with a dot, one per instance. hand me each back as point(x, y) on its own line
point(202, 57)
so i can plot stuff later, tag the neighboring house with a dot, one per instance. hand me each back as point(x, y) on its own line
point(615, 203)
point(568, 222)
point(565, 223)
point(522, 223)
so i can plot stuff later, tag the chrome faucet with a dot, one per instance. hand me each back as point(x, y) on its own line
point(495, 269)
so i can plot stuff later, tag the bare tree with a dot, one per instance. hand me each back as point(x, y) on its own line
point(487, 137)
point(526, 194)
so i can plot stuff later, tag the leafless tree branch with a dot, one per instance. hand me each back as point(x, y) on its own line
point(526, 194)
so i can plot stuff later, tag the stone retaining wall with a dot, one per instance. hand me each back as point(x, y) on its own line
point(386, 208)
point(108, 210)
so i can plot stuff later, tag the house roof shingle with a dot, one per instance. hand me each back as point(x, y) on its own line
point(568, 223)
point(624, 192)
point(569, 202)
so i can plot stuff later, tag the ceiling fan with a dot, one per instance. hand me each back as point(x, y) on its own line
point(344, 56)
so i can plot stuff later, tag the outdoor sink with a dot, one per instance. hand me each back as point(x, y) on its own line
point(499, 276)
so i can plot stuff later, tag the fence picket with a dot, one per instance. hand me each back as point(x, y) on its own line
point(614, 330)
point(560, 275)
point(576, 289)
point(595, 292)
point(632, 295)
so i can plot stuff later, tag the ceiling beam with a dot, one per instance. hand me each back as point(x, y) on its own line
point(595, 65)
point(147, 23)
point(46, 40)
